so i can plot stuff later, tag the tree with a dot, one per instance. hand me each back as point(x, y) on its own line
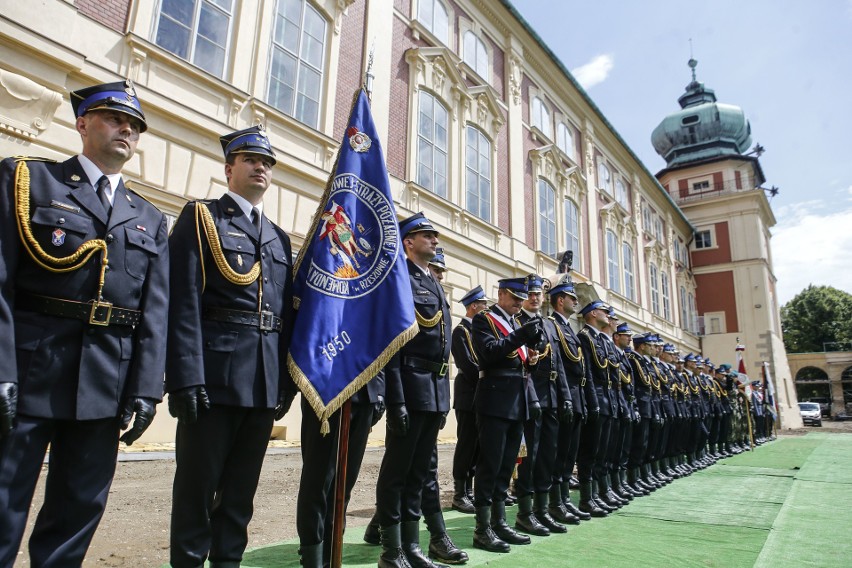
point(816, 316)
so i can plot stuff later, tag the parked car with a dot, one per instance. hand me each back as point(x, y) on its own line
point(811, 413)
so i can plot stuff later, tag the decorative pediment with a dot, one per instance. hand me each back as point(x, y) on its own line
point(484, 109)
point(549, 163)
point(26, 108)
point(437, 69)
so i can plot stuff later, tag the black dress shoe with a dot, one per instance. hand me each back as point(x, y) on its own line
point(550, 523)
point(508, 534)
point(591, 508)
point(562, 515)
point(488, 541)
point(442, 549)
point(528, 523)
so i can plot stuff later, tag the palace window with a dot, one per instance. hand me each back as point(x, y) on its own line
point(572, 230)
point(612, 268)
point(478, 173)
point(564, 139)
point(541, 117)
point(476, 55)
point(196, 30)
point(667, 303)
point(703, 240)
point(629, 278)
point(432, 141)
point(298, 54)
point(604, 177)
point(547, 218)
point(655, 289)
point(434, 17)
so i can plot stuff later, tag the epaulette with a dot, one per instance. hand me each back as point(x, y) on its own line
point(33, 159)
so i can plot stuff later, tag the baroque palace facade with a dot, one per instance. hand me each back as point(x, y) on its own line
point(483, 127)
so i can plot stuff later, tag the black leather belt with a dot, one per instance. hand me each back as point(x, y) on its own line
point(439, 369)
point(552, 375)
point(264, 321)
point(92, 312)
point(517, 373)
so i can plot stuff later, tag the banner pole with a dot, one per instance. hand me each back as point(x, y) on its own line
point(340, 485)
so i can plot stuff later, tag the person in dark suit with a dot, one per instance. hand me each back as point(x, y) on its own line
point(563, 300)
point(226, 371)
point(535, 472)
point(504, 399)
point(467, 445)
point(595, 433)
point(418, 399)
point(83, 308)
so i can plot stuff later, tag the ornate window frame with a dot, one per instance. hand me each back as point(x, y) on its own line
point(542, 129)
point(420, 28)
point(472, 68)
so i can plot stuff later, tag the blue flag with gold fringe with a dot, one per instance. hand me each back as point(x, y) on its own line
point(351, 286)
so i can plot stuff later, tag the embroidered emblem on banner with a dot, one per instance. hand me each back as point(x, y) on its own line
point(359, 141)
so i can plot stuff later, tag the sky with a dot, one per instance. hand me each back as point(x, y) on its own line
point(786, 63)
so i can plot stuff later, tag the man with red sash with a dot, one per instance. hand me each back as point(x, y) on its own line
point(504, 400)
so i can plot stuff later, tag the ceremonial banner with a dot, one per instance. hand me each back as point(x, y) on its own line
point(352, 293)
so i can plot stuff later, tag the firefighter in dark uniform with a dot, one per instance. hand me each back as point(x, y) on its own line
point(464, 388)
point(83, 307)
point(595, 434)
point(417, 396)
point(608, 490)
point(563, 300)
point(504, 400)
point(535, 472)
point(644, 388)
point(667, 411)
point(226, 371)
point(629, 416)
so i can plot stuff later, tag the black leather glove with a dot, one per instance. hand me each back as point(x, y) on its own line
point(145, 409)
point(657, 421)
point(378, 411)
point(285, 400)
point(637, 418)
point(184, 403)
point(566, 412)
point(443, 420)
point(8, 407)
point(535, 410)
point(594, 414)
point(397, 419)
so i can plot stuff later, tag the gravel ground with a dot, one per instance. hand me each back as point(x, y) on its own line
point(135, 528)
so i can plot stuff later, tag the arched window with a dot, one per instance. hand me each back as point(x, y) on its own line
point(612, 264)
point(667, 303)
point(476, 55)
point(546, 218)
point(564, 139)
point(196, 31)
point(604, 177)
point(541, 117)
point(434, 17)
point(621, 194)
point(572, 231)
point(478, 173)
point(629, 278)
point(298, 56)
point(432, 141)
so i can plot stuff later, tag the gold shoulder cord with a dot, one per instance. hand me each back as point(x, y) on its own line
point(598, 363)
point(204, 220)
point(429, 322)
point(469, 341)
point(54, 264)
point(567, 348)
point(642, 374)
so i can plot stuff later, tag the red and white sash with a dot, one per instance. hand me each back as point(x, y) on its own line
point(503, 326)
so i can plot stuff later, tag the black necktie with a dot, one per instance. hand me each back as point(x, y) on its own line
point(103, 187)
point(255, 219)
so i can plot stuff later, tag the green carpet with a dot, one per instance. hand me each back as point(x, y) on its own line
point(788, 503)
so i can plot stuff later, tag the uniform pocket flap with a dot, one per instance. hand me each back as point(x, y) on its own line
point(241, 245)
point(65, 220)
point(141, 239)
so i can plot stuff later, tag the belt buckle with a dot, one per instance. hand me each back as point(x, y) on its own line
point(267, 321)
point(444, 368)
point(96, 317)
point(553, 375)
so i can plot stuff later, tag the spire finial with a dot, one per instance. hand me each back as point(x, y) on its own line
point(692, 61)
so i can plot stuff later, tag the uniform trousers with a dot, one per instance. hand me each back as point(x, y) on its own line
point(568, 442)
point(405, 468)
point(430, 502)
point(467, 446)
point(639, 443)
point(219, 459)
point(536, 470)
point(80, 471)
point(315, 504)
point(590, 436)
point(600, 467)
point(616, 442)
point(655, 433)
point(499, 443)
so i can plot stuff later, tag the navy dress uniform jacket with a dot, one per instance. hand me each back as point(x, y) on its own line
point(597, 362)
point(548, 375)
point(407, 381)
point(574, 365)
point(67, 369)
point(503, 391)
point(239, 365)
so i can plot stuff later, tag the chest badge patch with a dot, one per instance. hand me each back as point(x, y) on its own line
point(58, 237)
